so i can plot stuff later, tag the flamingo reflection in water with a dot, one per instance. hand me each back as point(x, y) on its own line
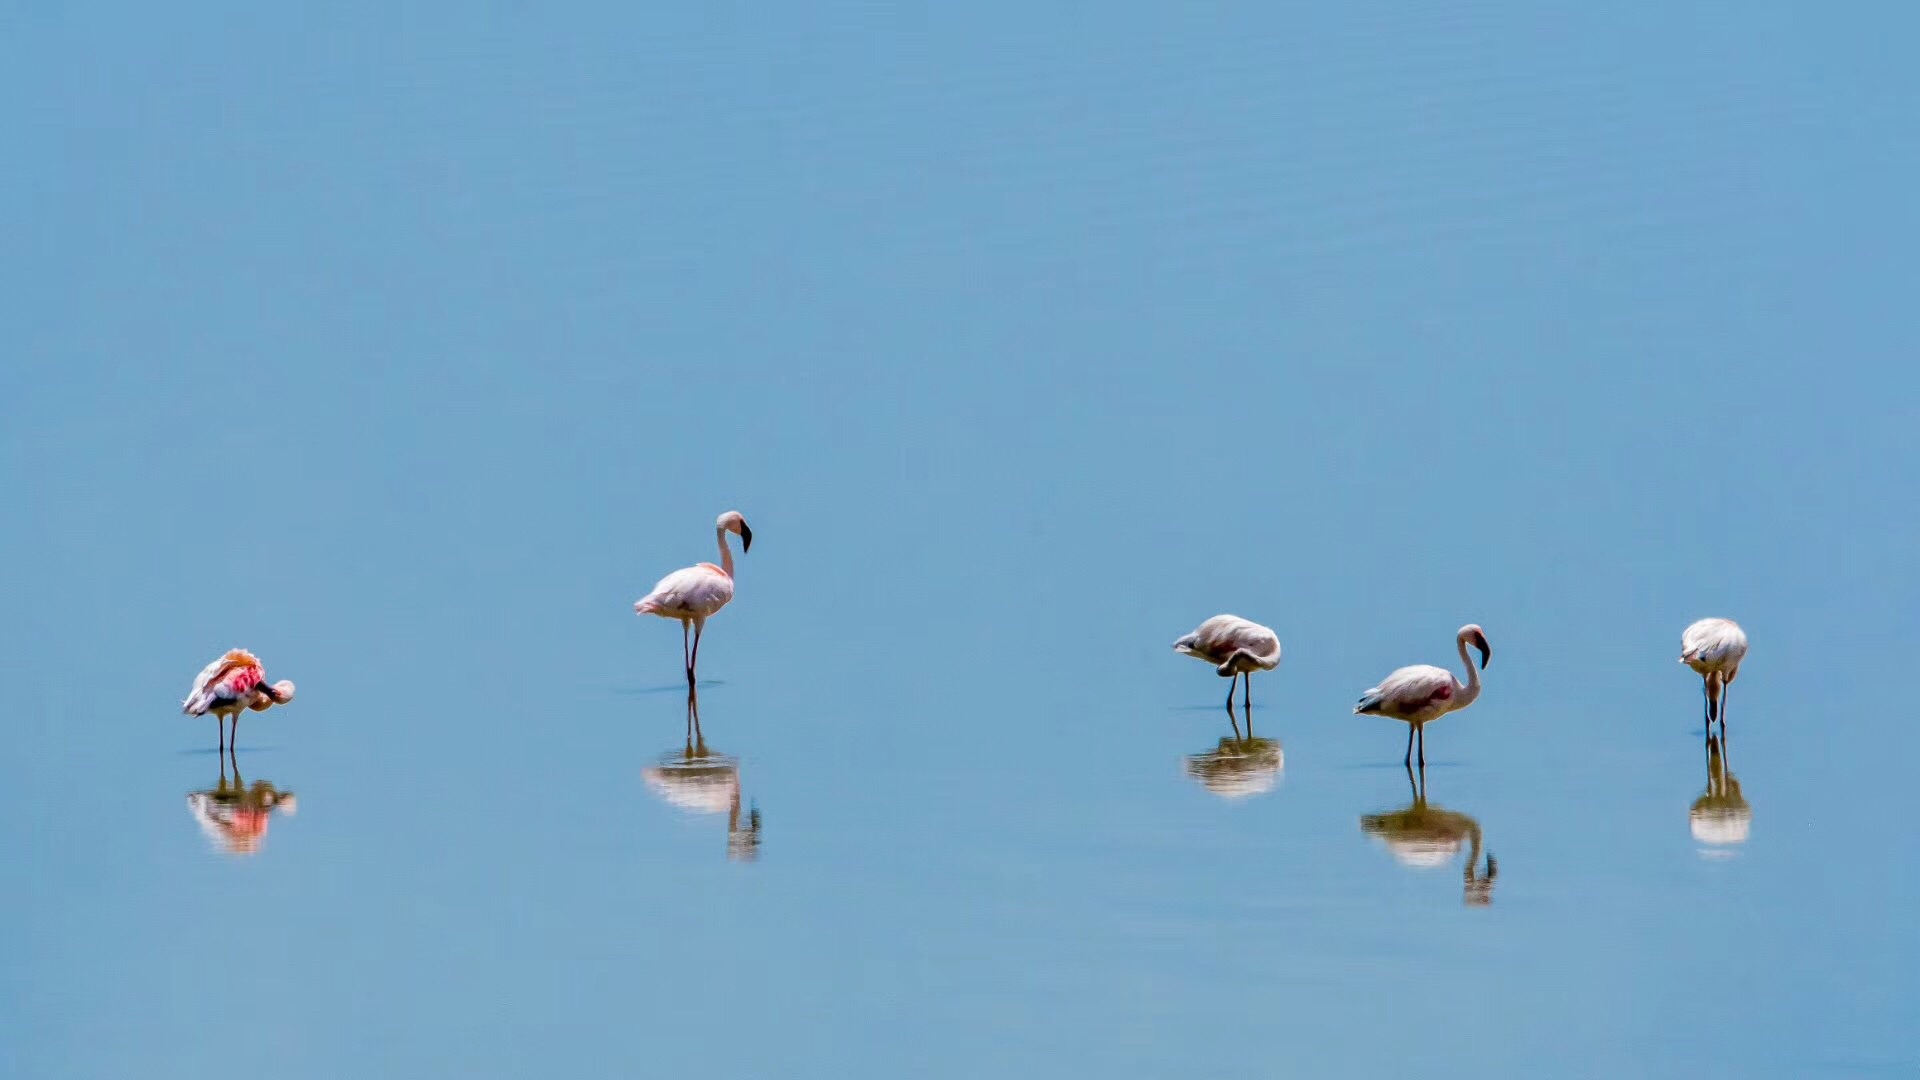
point(701, 781)
point(1240, 766)
point(1424, 836)
point(1721, 817)
point(233, 815)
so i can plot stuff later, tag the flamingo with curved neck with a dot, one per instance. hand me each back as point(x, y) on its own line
point(1237, 648)
point(233, 684)
point(695, 594)
point(1422, 693)
point(1713, 648)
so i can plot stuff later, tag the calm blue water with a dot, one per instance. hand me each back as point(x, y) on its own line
point(407, 347)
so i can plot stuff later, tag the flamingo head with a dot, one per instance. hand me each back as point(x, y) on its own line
point(1476, 637)
point(732, 522)
point(266, 697)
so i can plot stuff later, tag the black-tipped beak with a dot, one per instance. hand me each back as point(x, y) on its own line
point(746, 537)
point(1486, 650)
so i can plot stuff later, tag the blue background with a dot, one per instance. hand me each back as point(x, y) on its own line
point(407, 346)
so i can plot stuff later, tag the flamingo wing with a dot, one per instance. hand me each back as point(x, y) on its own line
point(233, 677)
point(1407, 691)
point(1258, 641)
point(1223, 635)
point(696, 590)
point(1712, 641)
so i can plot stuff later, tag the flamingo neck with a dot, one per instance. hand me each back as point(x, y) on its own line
point(726, 553)
point(1471, 689)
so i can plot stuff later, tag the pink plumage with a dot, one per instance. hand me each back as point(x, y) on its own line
point(231, 685)
point(1236, 647)
point(228, 680)
point(693, 595)
point(1422, 693)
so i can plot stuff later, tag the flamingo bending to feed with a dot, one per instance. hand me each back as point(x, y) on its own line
point(1714, 648)
point(231, 685)
point(1421, 694)
point(1236, 647)
point(693, 595)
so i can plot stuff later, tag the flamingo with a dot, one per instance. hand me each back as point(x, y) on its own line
point(231, 685)
point(1714, 648)
point(1236, 647)
point(1423, 693)
point(693, 595)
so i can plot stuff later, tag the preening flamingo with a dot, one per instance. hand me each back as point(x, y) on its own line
point(1236, 647)
point(1421, 694)
point(231, 685)
point(1714, 649)
point(693, 595)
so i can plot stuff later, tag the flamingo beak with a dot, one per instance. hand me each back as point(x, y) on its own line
point(746, 537)
point(1486, 650)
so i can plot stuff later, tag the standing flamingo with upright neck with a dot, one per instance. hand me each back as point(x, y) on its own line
point(1421, 694)
point(693, 595)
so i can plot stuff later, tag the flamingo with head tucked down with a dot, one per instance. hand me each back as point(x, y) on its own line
point(230, 685)
point(693, 595)
point(1236, 647)
point(1421, 694)
point(1713, 648)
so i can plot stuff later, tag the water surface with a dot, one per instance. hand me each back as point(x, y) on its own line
point(408, 350)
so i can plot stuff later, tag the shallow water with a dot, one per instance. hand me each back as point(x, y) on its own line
point(408, 352)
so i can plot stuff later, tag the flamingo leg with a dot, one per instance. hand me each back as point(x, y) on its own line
point(1408, 760)
point(1233, 683)
point(694, 663)
point(1246, 698)
point(233, 739)
point(686, 656)
point(1422, 729)
point(1725, 689)
point(1706, 705)
point(1231, 719)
